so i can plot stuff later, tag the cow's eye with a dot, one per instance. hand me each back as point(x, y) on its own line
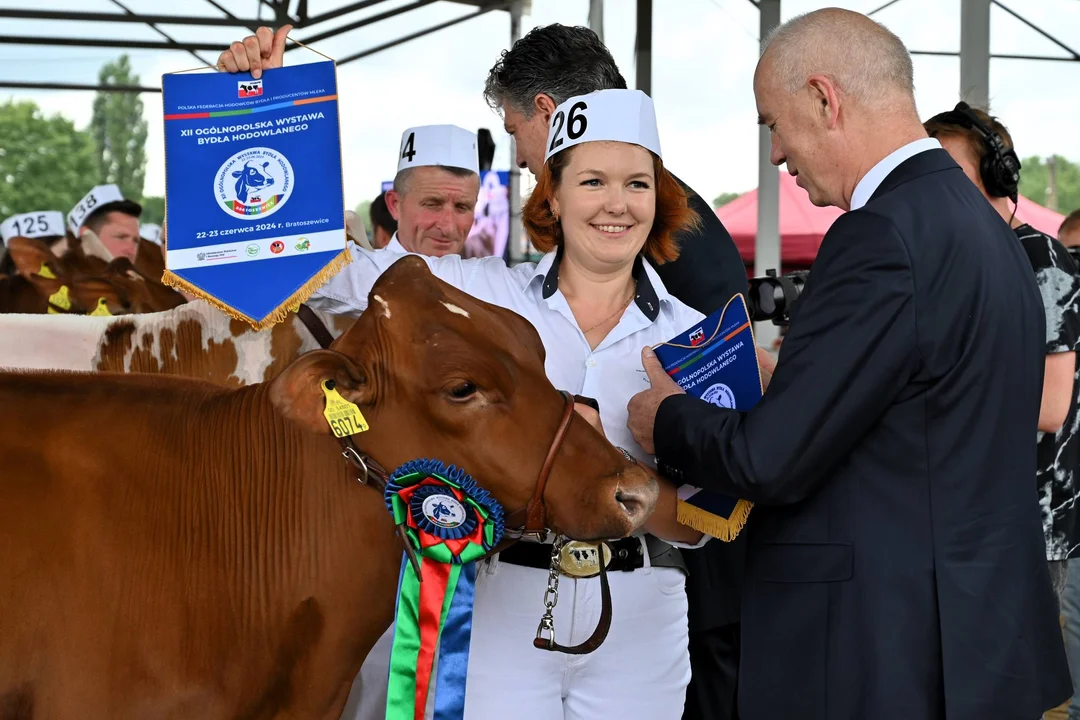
point(463, 390)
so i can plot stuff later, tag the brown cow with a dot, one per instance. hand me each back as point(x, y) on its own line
point(42, 283)
point(174, 549)
point(93, 283)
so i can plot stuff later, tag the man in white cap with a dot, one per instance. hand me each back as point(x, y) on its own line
point(435, 190)
point(112, 217)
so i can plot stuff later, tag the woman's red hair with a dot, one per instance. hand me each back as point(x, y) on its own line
point(673, 211)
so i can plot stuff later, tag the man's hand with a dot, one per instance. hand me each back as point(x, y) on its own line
point(768, 365)
point(262, 51)
point(643, 406)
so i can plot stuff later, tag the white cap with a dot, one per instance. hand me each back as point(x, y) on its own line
point(620, 115)
point(443, 145)
point(40, 223)
point(151, 231)
point(97, 197)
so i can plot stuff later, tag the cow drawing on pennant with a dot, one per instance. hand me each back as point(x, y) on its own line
point(251, 177)
point(254, 183)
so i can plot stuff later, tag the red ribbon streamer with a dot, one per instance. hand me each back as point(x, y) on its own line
point(432, 594)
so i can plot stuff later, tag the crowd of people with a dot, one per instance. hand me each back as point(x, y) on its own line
point(912, 463)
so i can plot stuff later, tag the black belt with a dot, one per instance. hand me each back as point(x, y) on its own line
point(625, 556)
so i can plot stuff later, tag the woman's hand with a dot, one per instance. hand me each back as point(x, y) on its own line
point(262, 51)
point(663, 523)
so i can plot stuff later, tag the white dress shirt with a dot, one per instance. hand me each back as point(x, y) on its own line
point(871, 180)
point(611, 374)
point(394, 245)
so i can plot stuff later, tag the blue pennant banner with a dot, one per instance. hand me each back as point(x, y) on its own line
point(715, 361)
point(255, 214)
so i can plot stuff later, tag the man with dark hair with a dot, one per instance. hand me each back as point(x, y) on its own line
point(383, 224)
point(543, 69)
point(979, 144)
point(111, 217)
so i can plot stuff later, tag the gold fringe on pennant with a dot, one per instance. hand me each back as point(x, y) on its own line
point(725, 529)
point(281, 312)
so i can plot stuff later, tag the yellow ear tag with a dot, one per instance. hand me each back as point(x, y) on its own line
point(344, 417)
point(102, 308)
point(60, 299)
point(45, 272)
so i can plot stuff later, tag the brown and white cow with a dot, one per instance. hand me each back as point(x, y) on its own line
point(194, 340)
point(171, 548)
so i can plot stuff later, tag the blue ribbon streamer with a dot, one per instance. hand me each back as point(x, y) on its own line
point(454, 649)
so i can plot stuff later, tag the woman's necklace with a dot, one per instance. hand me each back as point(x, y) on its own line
point(621, 308)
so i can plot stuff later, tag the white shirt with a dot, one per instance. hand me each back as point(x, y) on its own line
point(394, 245)
point(611, 374)
point(871, 180)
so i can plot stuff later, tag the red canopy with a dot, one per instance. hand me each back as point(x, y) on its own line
point(803, 224)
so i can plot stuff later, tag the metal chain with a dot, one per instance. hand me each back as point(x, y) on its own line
point(551, 594)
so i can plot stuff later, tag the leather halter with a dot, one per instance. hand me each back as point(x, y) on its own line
point(532, 519)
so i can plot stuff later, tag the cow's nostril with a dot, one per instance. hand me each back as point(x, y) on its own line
point(632, 502)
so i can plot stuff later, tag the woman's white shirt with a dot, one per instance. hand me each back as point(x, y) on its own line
point(611, 374)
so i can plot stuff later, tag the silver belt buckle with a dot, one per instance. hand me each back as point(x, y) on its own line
point(582, 559)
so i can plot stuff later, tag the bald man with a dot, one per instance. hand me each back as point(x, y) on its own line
point(896, 567)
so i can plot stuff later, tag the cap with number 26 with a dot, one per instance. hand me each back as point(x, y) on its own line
point(606, 115)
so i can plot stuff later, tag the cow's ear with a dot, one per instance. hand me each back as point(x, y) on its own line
point(299, 391)
point(35, 261)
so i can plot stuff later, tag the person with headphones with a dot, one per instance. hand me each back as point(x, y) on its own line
point(982, 147)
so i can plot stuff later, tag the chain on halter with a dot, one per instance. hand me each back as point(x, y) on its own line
point(551, 595)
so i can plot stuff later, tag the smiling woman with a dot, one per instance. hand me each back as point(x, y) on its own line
point(655, 201)
point(604, 208)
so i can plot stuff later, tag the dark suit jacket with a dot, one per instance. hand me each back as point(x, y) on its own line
point(896, 566)
point(707, 273)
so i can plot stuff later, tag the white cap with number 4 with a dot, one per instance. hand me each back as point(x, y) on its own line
point(36, 224)
point(441, 145)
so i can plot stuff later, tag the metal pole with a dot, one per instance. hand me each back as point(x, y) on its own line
point(415, 35)
point(767, 242)
point(975, 52)
point(643, 51)
point(596, 18)
point(517, 247)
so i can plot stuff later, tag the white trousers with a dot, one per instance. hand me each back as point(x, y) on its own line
point(640, 671)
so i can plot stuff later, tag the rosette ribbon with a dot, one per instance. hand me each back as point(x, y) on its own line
point(448, 522)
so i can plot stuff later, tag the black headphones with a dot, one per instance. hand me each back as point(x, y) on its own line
point(999, 168)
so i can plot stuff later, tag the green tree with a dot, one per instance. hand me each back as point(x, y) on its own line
point(45, 162)
point(1035, 182)
point(119, 131)
point(724, 199)
point(153, 210)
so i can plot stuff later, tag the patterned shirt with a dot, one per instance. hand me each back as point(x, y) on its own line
point(1058, 453)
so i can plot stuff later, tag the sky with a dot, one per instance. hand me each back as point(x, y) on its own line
point(704, 52)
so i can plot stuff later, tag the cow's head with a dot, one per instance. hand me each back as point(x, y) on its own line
point(47, 273)
point(250, 176)
point(144, 294)
point(439, 374)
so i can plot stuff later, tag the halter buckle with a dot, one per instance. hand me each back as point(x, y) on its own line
point(354, 457)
